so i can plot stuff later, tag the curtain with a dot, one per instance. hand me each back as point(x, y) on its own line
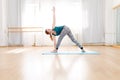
point(93, 21)
point(3, 23)
point(117, 26)
point(84, 17)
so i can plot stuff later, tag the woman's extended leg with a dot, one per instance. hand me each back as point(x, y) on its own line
point(74, 40)
point(63, 33)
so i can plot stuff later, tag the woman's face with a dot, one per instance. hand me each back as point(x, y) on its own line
point(49, 30)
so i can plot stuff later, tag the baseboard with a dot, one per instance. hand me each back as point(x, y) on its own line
point(94, 44)
point(62, 45)
point(116, 46)
point(15, 46)
point(3, 46)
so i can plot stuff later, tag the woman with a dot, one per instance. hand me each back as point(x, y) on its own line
point(60, 31)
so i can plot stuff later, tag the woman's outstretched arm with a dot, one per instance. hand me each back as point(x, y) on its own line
point(53, 26)
point(54, 17)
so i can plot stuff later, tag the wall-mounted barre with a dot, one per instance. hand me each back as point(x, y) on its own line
point(25, 29)
point(115, 7)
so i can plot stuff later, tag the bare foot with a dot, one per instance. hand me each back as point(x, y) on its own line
point(54, 51)
point(83, 50)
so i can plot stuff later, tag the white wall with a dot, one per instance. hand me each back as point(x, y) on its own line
point(116, 2)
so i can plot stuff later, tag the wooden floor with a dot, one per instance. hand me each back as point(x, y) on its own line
point(28, 63)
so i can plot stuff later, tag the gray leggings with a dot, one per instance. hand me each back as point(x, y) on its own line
point(67, 31)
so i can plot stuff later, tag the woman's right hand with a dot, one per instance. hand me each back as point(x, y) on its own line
point(51, 37)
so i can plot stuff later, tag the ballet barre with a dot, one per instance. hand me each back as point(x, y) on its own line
point(26, 29)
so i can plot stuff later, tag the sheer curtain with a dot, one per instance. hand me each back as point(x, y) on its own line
point(117, 26)
point(3, 23)
point(93, 21)
point(84, 17)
